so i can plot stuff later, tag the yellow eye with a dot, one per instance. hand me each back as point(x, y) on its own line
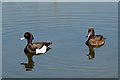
point(26, 34)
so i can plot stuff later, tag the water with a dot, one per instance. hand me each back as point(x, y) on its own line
point(66, 25)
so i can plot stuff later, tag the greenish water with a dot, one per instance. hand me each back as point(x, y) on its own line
point(66, 25)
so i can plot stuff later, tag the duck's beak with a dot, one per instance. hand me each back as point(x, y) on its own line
point(22, 38)
point(88, 35)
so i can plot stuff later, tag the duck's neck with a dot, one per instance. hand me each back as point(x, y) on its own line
point(29, 41)
point(93, 33)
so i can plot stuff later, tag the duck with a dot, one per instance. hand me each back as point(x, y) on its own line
point(94, 40)
point(36, 47)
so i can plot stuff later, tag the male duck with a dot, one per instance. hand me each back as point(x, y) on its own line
point(36, 47)
point(94, 40)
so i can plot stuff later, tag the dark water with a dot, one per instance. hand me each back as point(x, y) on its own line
point(66, 25)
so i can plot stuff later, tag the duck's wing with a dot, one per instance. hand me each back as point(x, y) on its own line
point(37, 45)
point(98, 37)
point(31, 48)
point(40, 44)
point(41, 47)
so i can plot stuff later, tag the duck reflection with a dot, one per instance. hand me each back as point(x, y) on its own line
point(30, 65)
point(94, 41)
point(91, 54)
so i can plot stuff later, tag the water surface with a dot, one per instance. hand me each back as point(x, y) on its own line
point(66, 25)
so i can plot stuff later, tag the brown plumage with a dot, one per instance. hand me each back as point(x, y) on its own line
point(94, 40)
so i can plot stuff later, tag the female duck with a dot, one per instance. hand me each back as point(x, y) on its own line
point(94, 40)
point(36, 47)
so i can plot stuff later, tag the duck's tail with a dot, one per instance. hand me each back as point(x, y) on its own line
point(47, 43)
point(48, 48)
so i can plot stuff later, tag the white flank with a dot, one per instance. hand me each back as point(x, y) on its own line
point(41, 50)
point(22, 38)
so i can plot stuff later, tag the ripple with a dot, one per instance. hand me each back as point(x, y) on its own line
point(65, 24)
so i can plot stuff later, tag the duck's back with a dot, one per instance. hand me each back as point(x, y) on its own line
point(41, 44)
point(96, 41)
point(37, 45)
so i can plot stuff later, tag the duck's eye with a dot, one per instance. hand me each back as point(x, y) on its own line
point(26, 34)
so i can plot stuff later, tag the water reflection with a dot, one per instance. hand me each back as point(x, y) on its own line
point(30, 64)
point(91, 54)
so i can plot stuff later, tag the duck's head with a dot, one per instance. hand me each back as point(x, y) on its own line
point(28, 36)
point(90, 32)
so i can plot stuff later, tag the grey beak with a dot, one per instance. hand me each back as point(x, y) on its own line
point(22, 38)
